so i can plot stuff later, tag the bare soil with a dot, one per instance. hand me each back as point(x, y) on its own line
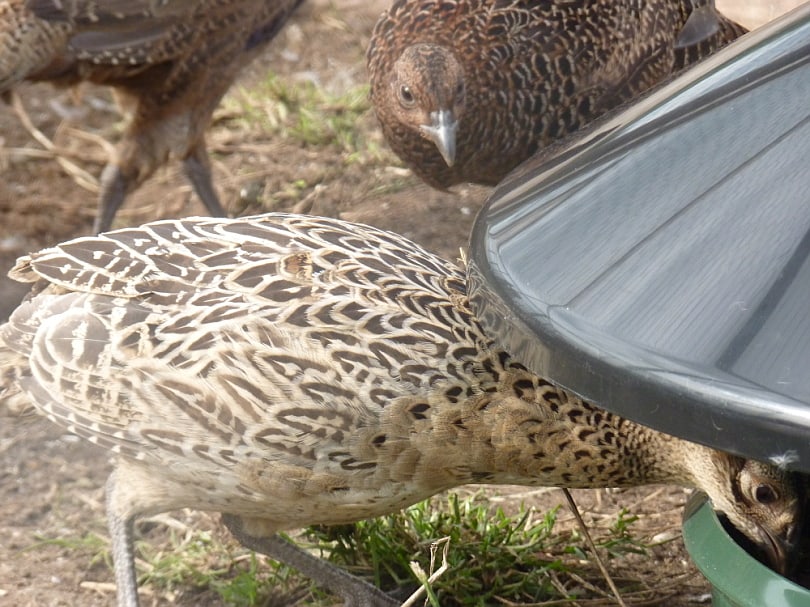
point(51, 483)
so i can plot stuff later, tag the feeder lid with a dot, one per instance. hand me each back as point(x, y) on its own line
point(658, 264)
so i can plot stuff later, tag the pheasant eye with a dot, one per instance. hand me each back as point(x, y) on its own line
point(765, 494)
point(406, 95)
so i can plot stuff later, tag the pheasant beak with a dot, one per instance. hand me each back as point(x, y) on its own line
point(442, 132)
point(775, 549)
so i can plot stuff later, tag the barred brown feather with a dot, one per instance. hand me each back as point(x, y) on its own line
point(289, 370)
point(515, 75)
point(173, 59)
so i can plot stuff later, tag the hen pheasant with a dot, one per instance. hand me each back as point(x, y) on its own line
point(174, 59)
point(289, 370)
point(465, 90)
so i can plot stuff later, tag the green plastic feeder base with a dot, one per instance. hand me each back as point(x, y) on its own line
point(737, 578)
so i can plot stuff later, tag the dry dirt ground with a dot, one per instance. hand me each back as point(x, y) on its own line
point(51, 483)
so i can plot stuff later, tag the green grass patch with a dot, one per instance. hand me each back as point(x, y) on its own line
point(90, 543)
point(493, 558)
point(305, 112)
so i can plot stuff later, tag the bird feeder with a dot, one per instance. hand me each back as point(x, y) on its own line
point(658, 264)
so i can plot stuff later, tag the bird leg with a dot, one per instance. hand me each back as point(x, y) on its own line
point(121, 531)
point(115, 185)
point(198, 170)
point(354, 591)
point(113, 191)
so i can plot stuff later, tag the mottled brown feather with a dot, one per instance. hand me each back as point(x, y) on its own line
point(172, 60)
point(527, 72)
point(292, 370)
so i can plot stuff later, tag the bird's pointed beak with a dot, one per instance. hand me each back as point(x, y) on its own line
point(776, 550)
point(442, 132)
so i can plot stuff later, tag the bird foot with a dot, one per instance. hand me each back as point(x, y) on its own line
point(354, 591)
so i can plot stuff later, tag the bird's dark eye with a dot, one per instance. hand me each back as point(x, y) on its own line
point(406, 95)
point(765, 494)
point(459, 90)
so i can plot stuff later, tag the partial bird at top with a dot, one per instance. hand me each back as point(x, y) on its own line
point(290, 370)
point(465, 90)
point(174, 59)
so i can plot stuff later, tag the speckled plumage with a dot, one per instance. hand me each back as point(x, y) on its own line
point(290, 370)
point(515, 75)
point(174, 60)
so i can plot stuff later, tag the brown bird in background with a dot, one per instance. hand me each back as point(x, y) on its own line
point(465, 90)
point(173, 59)
point(289, 370)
